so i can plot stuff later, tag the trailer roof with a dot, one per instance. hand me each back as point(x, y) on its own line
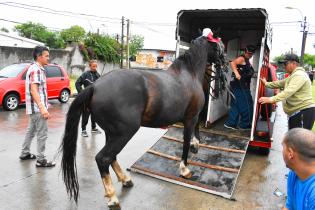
point(230, 21)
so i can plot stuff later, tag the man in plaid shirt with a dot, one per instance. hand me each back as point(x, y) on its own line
point(37, 108)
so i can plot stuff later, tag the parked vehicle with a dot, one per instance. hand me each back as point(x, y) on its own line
point(12, 84)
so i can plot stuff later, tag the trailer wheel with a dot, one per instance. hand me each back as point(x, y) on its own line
point(264, 151)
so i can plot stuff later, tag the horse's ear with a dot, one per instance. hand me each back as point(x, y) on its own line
point(199, 32)
point(216, 33)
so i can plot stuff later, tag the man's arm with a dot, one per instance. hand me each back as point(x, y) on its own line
point(234, 64)
point(285, 208)
point(295, 84)
point(79, 83)
point(275, 84)
point(36, 98)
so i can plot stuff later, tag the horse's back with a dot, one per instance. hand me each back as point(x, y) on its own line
point(156, 98)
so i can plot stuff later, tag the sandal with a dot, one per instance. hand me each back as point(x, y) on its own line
point(45, 163)
point(29, 156)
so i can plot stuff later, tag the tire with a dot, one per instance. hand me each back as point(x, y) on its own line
point(64, 96)
point(264, 151)
point(11, 102)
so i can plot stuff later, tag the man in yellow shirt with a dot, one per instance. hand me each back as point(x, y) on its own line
point(297, 94)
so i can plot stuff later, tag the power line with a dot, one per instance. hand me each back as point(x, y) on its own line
point(152, 23)
point(16, 22)
point(74, 14)
point(151, 29)
point(285, 22)
point(57, 12)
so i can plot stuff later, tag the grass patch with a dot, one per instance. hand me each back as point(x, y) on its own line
point(72, 84)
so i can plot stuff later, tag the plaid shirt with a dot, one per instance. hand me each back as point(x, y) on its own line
point(35, 75)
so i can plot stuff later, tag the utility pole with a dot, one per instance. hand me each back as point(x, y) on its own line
point(128, 38)
point(303, 42)
point(122, 42)
point(304, 23)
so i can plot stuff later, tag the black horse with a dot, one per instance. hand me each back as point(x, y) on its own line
point(123, 100)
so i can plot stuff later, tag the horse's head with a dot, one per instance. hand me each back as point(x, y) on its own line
point(215, 49)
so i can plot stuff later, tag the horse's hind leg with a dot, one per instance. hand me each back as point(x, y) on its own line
point(103, 160)
point(121, 176)
point(107, 157)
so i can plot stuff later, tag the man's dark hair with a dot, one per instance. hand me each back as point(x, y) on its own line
point(38, 51)
point(303, 142)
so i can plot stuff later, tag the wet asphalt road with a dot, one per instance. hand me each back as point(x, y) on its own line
point(23, 186)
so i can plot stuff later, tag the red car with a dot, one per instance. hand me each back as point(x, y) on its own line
point(12, 84)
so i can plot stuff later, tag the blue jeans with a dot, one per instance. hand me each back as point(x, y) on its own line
point(241, 111)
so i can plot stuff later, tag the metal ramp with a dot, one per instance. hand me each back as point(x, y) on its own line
point(216, 166)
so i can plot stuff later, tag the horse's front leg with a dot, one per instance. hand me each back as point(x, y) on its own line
point(189, 126)
point(194, 145)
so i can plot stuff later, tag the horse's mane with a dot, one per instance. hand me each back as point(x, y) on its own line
point(192, 57)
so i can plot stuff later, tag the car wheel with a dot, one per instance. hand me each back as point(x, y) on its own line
point(64, 96)
point(11, 102)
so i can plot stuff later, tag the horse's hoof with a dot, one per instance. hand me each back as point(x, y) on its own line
point(114, 206)
point(128, 184)
point(187, 176)
point(194, 149)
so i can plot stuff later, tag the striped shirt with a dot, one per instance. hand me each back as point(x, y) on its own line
point(35, 75)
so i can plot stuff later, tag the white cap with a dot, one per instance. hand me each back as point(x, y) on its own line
point(206, 32)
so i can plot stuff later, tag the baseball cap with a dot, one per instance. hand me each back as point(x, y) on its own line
point(290, 57)
point(250, 48)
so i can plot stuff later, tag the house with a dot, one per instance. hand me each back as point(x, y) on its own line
point(10, 40)
point(153, 59)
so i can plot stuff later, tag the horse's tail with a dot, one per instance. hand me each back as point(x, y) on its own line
point(68, 146)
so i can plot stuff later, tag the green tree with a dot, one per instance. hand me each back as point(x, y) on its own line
point(102, 47)
point(310, 60)
point(136, 43)
point(73, 34)
point(40, 33)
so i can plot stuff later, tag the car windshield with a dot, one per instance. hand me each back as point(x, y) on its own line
point(12, 70)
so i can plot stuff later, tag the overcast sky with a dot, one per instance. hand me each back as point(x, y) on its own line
point(156, 20)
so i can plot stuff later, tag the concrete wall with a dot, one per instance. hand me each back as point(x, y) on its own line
point(70, 59)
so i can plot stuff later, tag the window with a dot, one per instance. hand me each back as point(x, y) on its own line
point(160, 59)
point(53, 71)
point(12, 70)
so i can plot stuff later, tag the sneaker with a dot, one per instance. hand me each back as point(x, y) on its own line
point(230, 127)
point(84, 134)
point(45, 163)
point(96, 131)
point(28, 156)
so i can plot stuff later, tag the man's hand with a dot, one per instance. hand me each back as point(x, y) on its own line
point(44, 112)
point(265, 100)
point(263, 80)
point(238, 76)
